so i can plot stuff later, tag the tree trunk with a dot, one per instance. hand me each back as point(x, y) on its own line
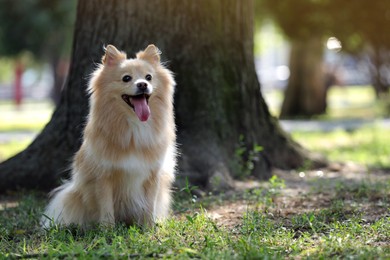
point(209, 46)
point(379, 58)
point(305, 95)
point(59, 68)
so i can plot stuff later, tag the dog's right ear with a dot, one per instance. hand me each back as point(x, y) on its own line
point(150, 54)
point(112, 56)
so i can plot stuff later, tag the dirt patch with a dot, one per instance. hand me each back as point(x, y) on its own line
point(304, 192)
point(312, 191)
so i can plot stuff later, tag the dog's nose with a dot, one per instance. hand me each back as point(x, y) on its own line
point(142, 86)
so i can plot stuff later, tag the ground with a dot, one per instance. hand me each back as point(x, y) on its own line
point(297, 193)
point(310, 191)
point(342, 211)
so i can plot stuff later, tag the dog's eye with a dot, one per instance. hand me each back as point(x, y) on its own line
point(148, 77)
point(126, 78)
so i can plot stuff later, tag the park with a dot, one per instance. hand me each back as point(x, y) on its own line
point(295, 165)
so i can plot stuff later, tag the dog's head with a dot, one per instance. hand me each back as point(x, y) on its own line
point(132, 83)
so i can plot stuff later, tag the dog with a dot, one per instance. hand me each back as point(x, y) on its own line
point(124, 169)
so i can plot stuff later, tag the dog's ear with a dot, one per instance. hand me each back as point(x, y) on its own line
point(150, 54)
point(112, 56)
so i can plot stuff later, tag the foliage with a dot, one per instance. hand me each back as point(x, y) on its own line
point(370, 20)
point(39, 26)
point(300, 19)
point(354, 22)
point(360, 25)
point(244, 158)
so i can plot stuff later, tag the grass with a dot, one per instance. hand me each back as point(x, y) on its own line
point(368, 146)
point(8, 149)
point(30, 118)
point(266, 229)
point(360, 101)
point(343, 102)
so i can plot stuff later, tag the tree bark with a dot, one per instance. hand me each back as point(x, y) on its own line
point(59, 68)
point(209, 46)
point(379, 57)
point(305, 95)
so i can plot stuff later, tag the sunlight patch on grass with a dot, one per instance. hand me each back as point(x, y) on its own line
point(25, 121)
point(9, 149)
point(31, 116)
point(352, 102)
point(343, 102)
point(368, 146)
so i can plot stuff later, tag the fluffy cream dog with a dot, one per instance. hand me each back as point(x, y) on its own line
point(124, 169)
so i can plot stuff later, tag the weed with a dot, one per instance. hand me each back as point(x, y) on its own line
point(244, 158)
point(188, 190)
point(265, 196)
point(276, 183)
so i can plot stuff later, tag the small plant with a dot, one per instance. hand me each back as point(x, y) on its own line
point(265, 196)
point(185, 198)
point(276, 183)
point(244, 159)
point(188, 188)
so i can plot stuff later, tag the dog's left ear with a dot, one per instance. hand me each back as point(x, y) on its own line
point(150, 54)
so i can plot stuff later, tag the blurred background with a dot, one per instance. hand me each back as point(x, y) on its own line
point(324, 66)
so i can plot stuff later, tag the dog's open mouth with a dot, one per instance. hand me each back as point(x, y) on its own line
point(140, 105)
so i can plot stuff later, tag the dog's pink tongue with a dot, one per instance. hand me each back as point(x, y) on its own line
point(141, 108)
